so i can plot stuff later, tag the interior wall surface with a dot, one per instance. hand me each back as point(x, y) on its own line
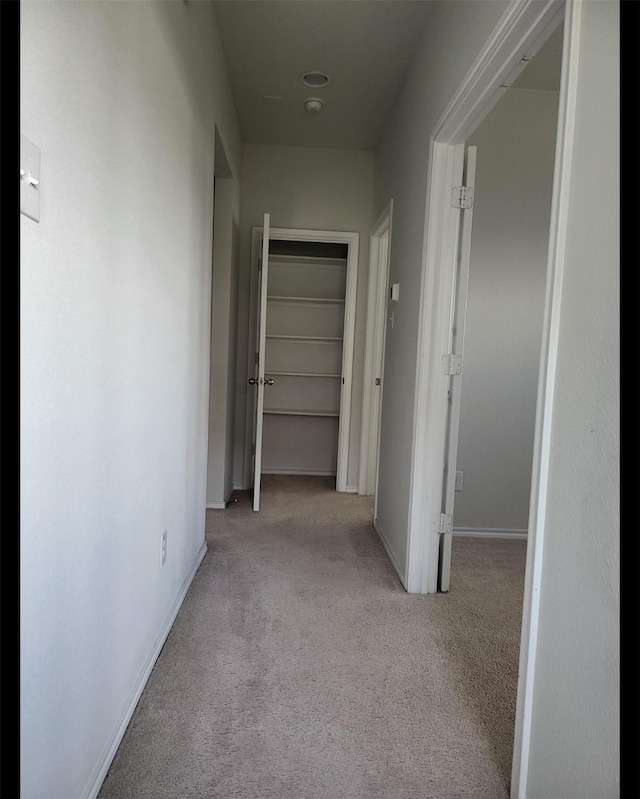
point(306, 188)
point(122, 99)
point(505, 304)
point(454, 35)
point(575, 734)
point(223, 335)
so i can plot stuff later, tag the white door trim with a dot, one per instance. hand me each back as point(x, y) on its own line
point(352, 240)
point(522, 30)
point(374, 342)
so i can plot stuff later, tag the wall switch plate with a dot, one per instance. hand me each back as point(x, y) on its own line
point(458, 481)
point(394, 293)
point(29, 179)
point(163, 548)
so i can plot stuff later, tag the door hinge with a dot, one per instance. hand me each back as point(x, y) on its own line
point(462, 197)
point(442, 523)
point(257, 358)
point(253, 448)
point(378, 381)
point(452, 364)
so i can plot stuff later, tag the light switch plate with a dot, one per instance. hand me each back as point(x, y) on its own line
point(394, 294)
point(29, 179)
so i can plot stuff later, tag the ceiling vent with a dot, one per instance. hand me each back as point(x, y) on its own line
point(315, 79)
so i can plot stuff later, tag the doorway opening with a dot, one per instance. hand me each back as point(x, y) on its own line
point(301, 360)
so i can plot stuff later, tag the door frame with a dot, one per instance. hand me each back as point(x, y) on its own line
point(374, 350)
point(522, 30)
point(352, 240)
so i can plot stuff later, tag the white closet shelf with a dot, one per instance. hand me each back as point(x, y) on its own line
point(300, 412)
point(302, 374)
point(306, 338)
point(304, 300)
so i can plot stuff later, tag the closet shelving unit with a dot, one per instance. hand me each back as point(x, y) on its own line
point(304, 345)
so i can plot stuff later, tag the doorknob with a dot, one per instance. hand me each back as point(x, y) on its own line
point(268, 382)
point(252, 381)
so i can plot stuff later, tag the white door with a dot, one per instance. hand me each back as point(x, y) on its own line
point(258, 380)
point(457, 349)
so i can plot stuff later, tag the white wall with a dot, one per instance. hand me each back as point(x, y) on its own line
point(453, 37)
point(122, 99)
point(512, 206)
point(224, 322)
point(305, 187)
point(575, 736)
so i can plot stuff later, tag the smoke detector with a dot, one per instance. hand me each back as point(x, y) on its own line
point(313, 105)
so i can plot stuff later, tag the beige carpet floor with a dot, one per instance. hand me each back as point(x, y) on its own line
point(299, 668)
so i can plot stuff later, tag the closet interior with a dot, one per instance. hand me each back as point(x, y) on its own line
point(306, 289)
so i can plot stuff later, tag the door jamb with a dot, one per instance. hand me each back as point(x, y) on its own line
point(351, 239)
point(521, 31)
point(374, 345)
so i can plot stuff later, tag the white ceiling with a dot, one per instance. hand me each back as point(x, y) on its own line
point(365, 46)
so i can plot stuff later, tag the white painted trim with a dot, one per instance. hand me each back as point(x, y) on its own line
point(389, 551)
point(239, 487)
point(546, 389)
point(351, 489)
point(104, 762)
point(489, 532)
point(310, 473)
point(522, 29)
point(216, 505)
point(352, 240)
point(374, 345)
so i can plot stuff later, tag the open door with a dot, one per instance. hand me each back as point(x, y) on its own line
point(258, 380)
point(465, 197)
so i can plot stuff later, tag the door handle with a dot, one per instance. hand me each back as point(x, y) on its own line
point(268, 382)
point(252, 381)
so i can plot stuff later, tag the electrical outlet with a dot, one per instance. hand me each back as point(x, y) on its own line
point(163, 548)
point(458, 481)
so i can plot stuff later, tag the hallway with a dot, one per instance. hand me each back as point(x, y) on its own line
point(299, 667)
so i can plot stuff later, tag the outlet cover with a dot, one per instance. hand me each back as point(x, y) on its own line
point(163, 548)
point(458, 481)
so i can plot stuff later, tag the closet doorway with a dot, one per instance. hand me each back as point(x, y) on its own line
point(301, 361)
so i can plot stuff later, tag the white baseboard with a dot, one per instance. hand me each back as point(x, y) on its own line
point(216, 505)
point(239, 487)
point(488, 532)
point(351, 489)
point(309, 472)
point(392, 557)
point(100, 772)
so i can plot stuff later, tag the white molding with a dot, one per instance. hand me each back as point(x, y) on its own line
point(239, 487)
point(523, 28)
point(388, 550)
point(489, 532)
point(352, 240)
point(309, 472)
point(546, 388)
point(104, 762)
point(374, 345)
point(216, 505)
point(351, 489)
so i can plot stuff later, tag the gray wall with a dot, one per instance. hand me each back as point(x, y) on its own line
point(305, 187)
point(575, 736)
point(455, 34)
point(224, 323)
point(123, 100)
point(514, 177)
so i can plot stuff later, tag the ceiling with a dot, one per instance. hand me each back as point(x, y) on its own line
point(365, 46)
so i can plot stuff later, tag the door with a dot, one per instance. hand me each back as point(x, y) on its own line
point(258, 381)
point(455, 363)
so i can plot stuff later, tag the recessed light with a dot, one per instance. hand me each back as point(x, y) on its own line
point(315, 79)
